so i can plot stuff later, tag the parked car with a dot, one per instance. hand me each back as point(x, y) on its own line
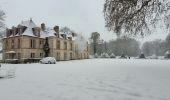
point(48, 60)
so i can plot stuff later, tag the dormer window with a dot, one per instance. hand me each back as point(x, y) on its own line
point(12, 44)
point(64, 36)
point(65, 45)
point(70, 38)
point(36, 31)
point(56, 34)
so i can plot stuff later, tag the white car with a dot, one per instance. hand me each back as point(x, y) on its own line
point(48, 60)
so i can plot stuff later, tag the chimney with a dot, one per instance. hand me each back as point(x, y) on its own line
point(56, 29)
point(13, 31)
point(43, 26)
point(7, 32)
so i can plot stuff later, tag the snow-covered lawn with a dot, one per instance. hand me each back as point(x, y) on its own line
point(91, 79)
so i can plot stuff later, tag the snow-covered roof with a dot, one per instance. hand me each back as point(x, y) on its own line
point(28, 32)
point(48, 32)
point(29, 24)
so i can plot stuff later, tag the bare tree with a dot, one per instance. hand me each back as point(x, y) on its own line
point(134, 16)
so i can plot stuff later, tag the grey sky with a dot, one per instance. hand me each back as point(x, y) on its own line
point(83, 16)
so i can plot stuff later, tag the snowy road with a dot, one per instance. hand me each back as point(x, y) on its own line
point(93, 79)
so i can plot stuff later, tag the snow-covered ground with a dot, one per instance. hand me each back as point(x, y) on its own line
point(91, 79)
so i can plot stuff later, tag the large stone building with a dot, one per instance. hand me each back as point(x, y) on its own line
point(29, 43)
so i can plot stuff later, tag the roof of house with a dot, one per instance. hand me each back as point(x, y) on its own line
point(48, 32)
point(28, 23)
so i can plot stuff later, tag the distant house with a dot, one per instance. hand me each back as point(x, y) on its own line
point(29, 43)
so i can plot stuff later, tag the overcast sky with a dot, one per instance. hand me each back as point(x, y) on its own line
point(83, 16)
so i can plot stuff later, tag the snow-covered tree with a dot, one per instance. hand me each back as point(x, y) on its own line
point(168, 41)
point(135, 16)
point(157, 47)
point(127, 46)
point(2, 25)
point(112, 55)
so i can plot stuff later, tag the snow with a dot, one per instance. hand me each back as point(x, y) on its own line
point(104, 55)
point(28, 32)
point(28, 23)
point(153, 57)
point(7, 72)
point(112, 55)
point(91, 79)
point(96, 55)
point(48, 32)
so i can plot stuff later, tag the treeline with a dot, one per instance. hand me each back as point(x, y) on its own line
point(158, 47)
point(123, 45)
point(131, 47)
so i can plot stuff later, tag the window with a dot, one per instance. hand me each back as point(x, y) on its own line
point(32, 55)
point(32, 43)
point(12, 44)
point(18, 43)
point(13, 56)
point(58, 44)
point(87, 48)
point(19, 55)
point(65, 45)
point(40, 43)
point(6, 44)
point(41, 55)
point(71, 46)
point(65, 56)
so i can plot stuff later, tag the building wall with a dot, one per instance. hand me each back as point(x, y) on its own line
point(22, 47)
point(27, 47)
point(64, 50)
